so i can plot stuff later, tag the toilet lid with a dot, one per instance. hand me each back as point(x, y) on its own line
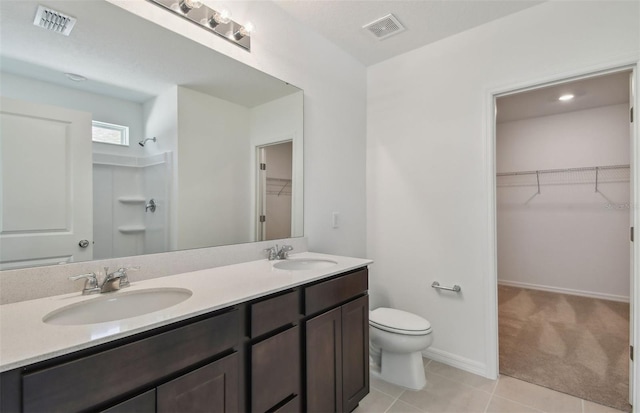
point(398, 321)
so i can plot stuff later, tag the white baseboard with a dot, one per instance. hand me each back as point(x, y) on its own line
point(456, 361)
point(602, 296)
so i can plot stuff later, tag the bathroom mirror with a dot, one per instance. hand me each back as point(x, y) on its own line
point(123, 138)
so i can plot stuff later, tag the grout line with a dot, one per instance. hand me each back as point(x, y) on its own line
point(519, 403)
point(461, 382)
point(492, 394)
point(395, 398)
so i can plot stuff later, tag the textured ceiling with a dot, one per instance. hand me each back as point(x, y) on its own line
point(426, 21)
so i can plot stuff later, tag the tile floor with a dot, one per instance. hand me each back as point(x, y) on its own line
point(455, 391)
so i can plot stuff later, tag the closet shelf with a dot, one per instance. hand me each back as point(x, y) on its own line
point(132, 229)
point(276, 186)
point(549, 171)
point(567, 176)
point(131, 199)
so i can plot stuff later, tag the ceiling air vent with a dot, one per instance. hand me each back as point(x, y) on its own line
point(54, 20)
point(384, 27)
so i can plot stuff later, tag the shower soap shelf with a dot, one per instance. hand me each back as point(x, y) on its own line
point(131, 200)
point(132, 229)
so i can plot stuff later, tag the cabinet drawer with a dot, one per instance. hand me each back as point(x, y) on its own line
point(144, 403)
point(333, 292)
point(275, 370)
point(274, 312)
point(83, 383)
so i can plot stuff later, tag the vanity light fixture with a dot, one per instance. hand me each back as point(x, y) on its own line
point(216, 21)
point(566, 98)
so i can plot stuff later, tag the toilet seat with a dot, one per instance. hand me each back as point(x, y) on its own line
point(399, 322)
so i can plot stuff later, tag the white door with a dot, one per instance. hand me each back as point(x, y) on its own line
point(261, 195)
point(278, 194)
point(45, 185)
point(632, 183)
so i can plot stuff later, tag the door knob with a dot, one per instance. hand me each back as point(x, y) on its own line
point(84, 243)
point(151, 206)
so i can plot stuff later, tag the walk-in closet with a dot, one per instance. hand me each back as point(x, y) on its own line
point(563, 204)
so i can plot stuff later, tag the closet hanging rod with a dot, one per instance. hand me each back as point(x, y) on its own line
point(546, 171)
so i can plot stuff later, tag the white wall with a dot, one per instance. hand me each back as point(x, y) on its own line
point(428, 203)
point(161, 117)
point(213, 171)
point(157, 183)
point(568, 238)
point(334, 85)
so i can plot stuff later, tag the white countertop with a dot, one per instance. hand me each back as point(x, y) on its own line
point(26, 339)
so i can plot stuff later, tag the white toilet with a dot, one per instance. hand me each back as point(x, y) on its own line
point(397, 339)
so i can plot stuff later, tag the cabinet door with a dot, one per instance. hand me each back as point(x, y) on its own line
point(275, 370)
point(212, 388)
point(355, 352)
point(324, 362)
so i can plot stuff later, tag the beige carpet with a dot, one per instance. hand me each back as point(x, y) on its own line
point(575, 345)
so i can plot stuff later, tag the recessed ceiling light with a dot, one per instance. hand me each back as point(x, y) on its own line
point(75, 77)
point(565, 98)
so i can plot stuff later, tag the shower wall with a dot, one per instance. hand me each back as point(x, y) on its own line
point(122, 227)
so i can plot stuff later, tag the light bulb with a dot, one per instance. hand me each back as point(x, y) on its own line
point(244, 31)
point(566, 98)
point(247, 29)
point(223, 17)
point(187, 5)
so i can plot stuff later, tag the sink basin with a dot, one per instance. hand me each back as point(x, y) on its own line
point(117, 306)
point(302, 264)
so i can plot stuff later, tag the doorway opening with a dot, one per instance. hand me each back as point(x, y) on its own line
point(274, 192)
point(564, 187)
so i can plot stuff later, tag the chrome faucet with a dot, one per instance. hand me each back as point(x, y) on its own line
point(283, 253)
point(275, 253)
point(271, 253)
point(116, 280)
point(90, 284)
point(112, 281)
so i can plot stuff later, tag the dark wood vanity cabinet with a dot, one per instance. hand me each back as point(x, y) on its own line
point(304, 349)
point(157, 362)
point(337, 344)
